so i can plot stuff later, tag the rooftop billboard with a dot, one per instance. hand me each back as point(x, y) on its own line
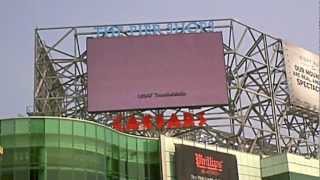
point(194, 163)
point(303, 74)
point(150, 72)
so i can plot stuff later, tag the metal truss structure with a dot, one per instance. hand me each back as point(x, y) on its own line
point(258, 119)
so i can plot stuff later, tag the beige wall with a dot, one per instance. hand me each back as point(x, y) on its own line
point(289, 163)
point(248, 164)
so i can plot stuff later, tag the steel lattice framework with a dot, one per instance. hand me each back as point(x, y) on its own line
point(258, 119)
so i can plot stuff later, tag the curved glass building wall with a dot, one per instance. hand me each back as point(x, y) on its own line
point(51, 148)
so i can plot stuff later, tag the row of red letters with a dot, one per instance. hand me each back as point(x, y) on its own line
point(149, 122)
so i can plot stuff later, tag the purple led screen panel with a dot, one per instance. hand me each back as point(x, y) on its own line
point(151, 72)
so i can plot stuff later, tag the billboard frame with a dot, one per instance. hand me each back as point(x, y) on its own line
point(257, 119)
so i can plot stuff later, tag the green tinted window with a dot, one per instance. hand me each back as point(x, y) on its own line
point(52, 126)
point(79, 142)
point(132, 143)
point(21, 174)
point(65, 174)
point(37, 140)
point(52, 174)
point(37, 126)
point(66, 141)
point(21, 140)
point(91, 130)
point(66, 127)
point(7, 127)
point(101, 147)
point(79, 175)
point(52, 140)
point(100, 133)
point(22, 126)
point(123, 148)
point(69, 149)
point(78, 128)
point(8, 141)
point(108, 136)
point(141, 149)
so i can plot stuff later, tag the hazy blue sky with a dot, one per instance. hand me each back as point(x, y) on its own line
point(293, 20)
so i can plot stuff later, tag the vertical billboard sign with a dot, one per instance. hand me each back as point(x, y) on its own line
point(303, 75)
point(194, 164)
point(160, 71)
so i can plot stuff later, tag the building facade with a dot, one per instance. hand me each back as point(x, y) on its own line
point(47, 148)
point(54, 148)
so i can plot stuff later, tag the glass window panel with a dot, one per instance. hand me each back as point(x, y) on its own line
point(141, 149)
point(108, 135)
point(7, 127)
point(35, 156)
point(8, 141)
point(79, 175)
point(147, 170)
point(22, 126)
point(22, 157)
point(37, 139)
point(115, 145)
point(154, 154)
point(155, 171)
point(123, 141)
point(153, 146)
point(100, 133)
point(123, 169)
point(141, 145)
point(91, 130)
point(52, 140)
point(65, 127)
point(65, 174)
point(8, 158)
point(108, 149)
point(92, 161)
point(22, 174)
point(101, 177)
point(52, 126)
point(115, 167)
point(141, 170)
point(132, 149)
point(37, 126)
point(101, 165)
point(91, 176)
point(65, 141)
point(101, 147)
point(22, 140)
point(123, 147)
point(132, 170)
point(79, 159)
point(52, 174)
point(115, 138)
point(7, 175)
point(78, 128)
point(53, 156)
point(91, 144)
point(108, 139)
point(35, 174)
point(132, 143)
point(132, 156)
point(79, 142)
point(108, 165)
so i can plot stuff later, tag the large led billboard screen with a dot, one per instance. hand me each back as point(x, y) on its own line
point(303, 75)
point(194, 163)
point(150, 72)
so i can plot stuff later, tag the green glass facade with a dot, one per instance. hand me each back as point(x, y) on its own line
point(51, 148)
